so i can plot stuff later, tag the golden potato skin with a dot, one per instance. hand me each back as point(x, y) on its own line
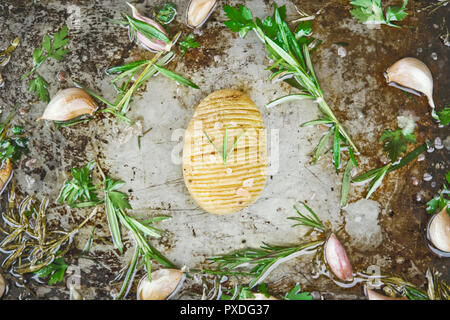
point(218, 187)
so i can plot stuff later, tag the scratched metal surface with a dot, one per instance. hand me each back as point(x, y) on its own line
point(389, 235)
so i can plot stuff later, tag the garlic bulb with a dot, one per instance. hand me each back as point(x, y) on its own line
point(2, 286)
point(411, 73)
point(439, 230)
point(260, 296)
point(150, 44)
point(337, 259)
point(68, 104)
point(373, 295)
point(199, 11)
point(164, 282)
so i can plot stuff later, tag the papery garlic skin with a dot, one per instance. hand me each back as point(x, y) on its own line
point(413, 74)
point(2, 285)
point(199, 11)
point(337, 259)
point(164, 282)
point(154, 45)
point(439, 231)
point(373, 295)
point(69, 104)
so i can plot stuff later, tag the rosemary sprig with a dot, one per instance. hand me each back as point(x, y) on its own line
point(29, 244)
point(145, 68)
point(437, 289)
point(263, 259)
point(13, 142)
point(5, 55)
point(309, 219)
point(224, 152)
point(290, 52)
point(376, 176)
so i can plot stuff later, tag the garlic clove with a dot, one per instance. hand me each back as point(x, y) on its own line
point(439, 230)
point(5, 174)
point(154, 44)
point(260, 296)
point(413, 74)
point(337, 259)
point(68, 104)
point(2, 285)
point(164, 282)
point(199, 11)
point(373, 295)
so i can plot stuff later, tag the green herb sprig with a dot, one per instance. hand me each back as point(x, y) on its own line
point(29, 244)
point(437, 288)
point(125, 82)
point(48, 49)
point(188, 42)
point(441, 201)
point(262, 259)
point(396, 143)
point(290, 52)
point(371, 12)
point(80, 192)
point(444, 116)
point(13, 141)
point(296, 293)
point(376, 176)
point(243, 292)
point(224, 152)
point(54, 271)
point(309, 219)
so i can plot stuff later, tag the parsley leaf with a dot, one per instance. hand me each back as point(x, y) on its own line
point(444, 116)
point(12, 147)
point(188, 43)
point(80, 191)
point(296, 294)
point(39, 86)
point(371, 12)
point(53, 49)
point(241, 19)
point(442, 200)
point(54, 271)
point(396, 142)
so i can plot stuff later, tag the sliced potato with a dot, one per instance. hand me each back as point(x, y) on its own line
point(225, 187)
